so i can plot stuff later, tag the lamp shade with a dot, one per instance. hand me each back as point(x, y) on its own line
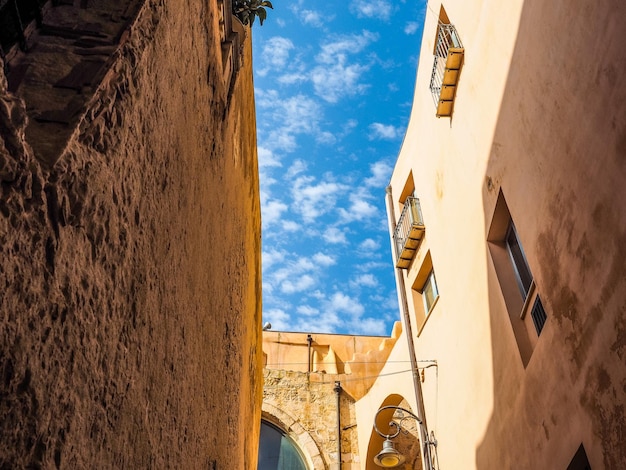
point(389, 457)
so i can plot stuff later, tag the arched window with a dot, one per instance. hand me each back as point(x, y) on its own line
point(277, 451)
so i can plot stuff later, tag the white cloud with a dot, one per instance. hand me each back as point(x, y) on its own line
point(296, 168)
point(291, 226)
point(267, 287)
point(298, 285)
point(349, 125)
point(272, 257)
point(272, 212)
point(364, 280)
point(360, 209)
point(334, 77)
point(383, 131)
point(312, 18)
point(279, 319)
point(371, 326)
point(369, 245)
point(266, 182)
point(289, 270)
point(267, 158)
point(340, 302)
point(324, 260)
point(276, 52)
point(313, 200)
point(304, 264)
point(371, 9)
point(292, 78)
point(334, 235)
point(331, 83)
point(307, 310)
point(411, 27)
point(292, 276)
point(326, 321)
point(371, 265)
point(325, 137)
point(289, 117)
point(381, 174)
point(337, 50)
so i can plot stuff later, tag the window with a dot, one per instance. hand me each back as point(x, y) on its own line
point(277, 451)
point(524, 277)
point(430, 292)
point(425, 292)
point(516, 252)
point(515, 277)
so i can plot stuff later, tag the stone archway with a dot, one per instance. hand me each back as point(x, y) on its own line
point(297, 433)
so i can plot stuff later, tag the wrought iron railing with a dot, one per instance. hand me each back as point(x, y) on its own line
point(408, 233)
point(447, 62)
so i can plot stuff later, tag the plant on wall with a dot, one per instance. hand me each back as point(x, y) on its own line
point(248, 10)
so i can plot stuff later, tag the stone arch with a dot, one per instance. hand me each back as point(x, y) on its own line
point(310, 450)
point(407, 445)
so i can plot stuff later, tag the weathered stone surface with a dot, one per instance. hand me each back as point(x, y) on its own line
point(130, 266)
point(305, 406)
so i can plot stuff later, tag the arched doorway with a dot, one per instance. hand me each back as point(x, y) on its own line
point(277, 451)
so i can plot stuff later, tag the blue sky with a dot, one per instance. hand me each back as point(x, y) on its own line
point(334, 84)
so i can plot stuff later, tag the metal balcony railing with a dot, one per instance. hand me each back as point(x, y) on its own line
point(449, 54)
point(409, 232)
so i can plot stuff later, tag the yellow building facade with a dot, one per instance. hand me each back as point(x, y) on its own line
point(508, 222)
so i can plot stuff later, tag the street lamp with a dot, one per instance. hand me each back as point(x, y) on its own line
point(389, 457)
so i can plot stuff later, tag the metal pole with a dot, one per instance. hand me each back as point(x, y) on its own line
point(338, 392)
point(417, 385)
point(309, 340)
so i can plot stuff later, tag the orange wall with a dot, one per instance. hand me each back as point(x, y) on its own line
point(130, 302)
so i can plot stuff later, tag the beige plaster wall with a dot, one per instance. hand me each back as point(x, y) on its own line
point(357, 358)
point(538, 115)
point(130, 273)
point(394, 386)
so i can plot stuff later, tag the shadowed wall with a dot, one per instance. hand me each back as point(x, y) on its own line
point(130, 263)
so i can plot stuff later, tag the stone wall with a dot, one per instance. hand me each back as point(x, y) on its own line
point(130, 264)
point(305, 407)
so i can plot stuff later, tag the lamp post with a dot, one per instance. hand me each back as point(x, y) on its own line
point(389, 457)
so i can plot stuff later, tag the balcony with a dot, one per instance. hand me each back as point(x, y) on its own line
point(409, 232)
point(449, 54)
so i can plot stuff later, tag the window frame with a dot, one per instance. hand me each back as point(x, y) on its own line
point(420, 308)
point(523, 274)
point(513, 272)
point(431, 281)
